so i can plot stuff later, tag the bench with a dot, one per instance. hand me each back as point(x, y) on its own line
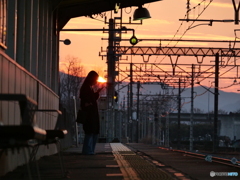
point(27, 134)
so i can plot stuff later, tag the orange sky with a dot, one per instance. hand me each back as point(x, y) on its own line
point(163, 25)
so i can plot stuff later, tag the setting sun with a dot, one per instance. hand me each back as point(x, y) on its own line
point(101, 79)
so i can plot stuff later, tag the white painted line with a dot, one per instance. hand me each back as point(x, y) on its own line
point(109, 157)
point(178, 174)
point(110, 166)
point(114, 175)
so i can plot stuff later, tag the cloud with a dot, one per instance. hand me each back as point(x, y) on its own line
point(198, 35)
point(217, 3)
point(156, 37)
point(84, 21)
point(88, 23)
point(204, 36)
point(89, 33)
point(157, 22)
point(63, 66)
point(179, 44)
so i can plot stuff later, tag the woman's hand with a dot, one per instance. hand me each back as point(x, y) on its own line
point(100, 89)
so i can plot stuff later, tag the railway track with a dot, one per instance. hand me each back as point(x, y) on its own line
point(234, 162)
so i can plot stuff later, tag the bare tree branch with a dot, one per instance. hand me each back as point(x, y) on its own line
point(70, 82)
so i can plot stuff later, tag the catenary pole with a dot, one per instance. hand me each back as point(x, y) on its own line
point(215, 123)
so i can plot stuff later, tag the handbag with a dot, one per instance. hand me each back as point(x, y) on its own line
point(81, 117)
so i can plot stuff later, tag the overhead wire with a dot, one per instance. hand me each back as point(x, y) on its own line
point(186, 15)
point(188, 26)
point(204, 1)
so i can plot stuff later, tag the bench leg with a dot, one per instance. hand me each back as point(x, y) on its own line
point(1, 152)
point(59, 149)
point(27, 154)
point(27, 162)
point(32, 159)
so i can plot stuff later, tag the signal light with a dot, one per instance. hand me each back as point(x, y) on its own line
point(133, 40)
point(115, 97)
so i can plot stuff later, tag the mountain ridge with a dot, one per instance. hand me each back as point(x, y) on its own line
point(204, 97)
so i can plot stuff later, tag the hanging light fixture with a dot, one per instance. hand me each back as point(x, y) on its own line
point(141, 13)
point(66, 41)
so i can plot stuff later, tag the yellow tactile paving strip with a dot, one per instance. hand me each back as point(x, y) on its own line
point(134, 167)
point(126, 169)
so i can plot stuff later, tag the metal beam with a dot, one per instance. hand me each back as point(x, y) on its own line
point(177, 51)
point(182, 40)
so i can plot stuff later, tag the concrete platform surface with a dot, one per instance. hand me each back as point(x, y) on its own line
point(117, 161)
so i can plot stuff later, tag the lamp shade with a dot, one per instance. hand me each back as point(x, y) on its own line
point(141, 13)
point(67, 42)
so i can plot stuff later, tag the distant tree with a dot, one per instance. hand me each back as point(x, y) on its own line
point(70, 81)
point(237, 111)
point(220, 111)
point(199, 130)
point(173, 131)
point(159, 104)
point(184, 111)
point(197, 110)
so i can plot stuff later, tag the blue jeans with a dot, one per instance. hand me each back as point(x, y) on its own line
point(89, 143)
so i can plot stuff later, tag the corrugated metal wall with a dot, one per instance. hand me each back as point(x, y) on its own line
point(15, 79)
point(29, 65)
point(33, 39)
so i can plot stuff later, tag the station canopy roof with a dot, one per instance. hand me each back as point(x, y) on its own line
point(68, 9)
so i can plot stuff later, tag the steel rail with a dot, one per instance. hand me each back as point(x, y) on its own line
point(215, 159)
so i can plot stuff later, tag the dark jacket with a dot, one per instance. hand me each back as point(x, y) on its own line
point(87, 95)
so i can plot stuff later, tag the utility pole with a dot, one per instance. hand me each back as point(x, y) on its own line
point(131, 102)
point(111, 80)
point(192, 104)
point(236, 12)
point(128, 114)
point(179, 114)
point(75, 117)
point(138, 88)
point(215, 124)
point(188, 9)
point(166, 131)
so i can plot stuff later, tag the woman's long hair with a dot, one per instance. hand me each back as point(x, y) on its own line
point(91, 78)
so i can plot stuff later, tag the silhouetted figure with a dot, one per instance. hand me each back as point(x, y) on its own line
point(89, 105)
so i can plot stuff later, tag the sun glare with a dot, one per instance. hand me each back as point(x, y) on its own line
point(101, 79)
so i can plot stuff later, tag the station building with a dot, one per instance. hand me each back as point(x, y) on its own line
point(29, 57)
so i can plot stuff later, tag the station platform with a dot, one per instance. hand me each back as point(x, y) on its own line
point(117, 161)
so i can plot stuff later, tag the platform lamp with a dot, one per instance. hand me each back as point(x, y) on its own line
point(66, 41)
point(141, 13)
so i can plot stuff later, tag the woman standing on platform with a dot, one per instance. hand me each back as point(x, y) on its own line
point(89, 104)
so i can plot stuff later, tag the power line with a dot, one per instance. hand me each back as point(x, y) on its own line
point(188, 27)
